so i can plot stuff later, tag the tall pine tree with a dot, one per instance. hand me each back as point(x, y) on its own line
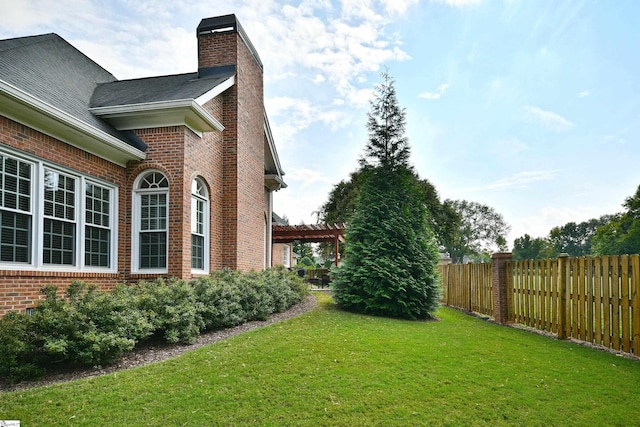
point(391, 262)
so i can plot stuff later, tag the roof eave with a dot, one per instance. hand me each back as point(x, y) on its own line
point(275, 177)
point(210, 94)
point(274, 182)
point(24, 108)
point(187, 112)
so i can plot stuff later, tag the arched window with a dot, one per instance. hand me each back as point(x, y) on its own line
point(199, 227)
point(150, 226)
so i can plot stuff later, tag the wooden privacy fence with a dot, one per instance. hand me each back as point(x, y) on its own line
point(468, 286)
point(592, 299)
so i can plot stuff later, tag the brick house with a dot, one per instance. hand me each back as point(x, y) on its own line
point(113, 181)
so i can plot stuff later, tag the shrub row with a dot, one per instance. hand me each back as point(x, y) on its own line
point(89, 327)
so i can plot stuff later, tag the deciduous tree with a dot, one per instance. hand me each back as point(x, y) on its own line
point(621, 235)
point(481, 229)
point(526, 247)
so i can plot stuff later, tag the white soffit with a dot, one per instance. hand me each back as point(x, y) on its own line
point(45, 118)
point(179, 112)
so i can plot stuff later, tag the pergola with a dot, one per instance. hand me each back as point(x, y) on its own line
point(312, 233)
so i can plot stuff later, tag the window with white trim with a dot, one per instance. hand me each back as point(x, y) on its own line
point(46, 222)
point(59, 232)
point(199, 227)
point(16, 217)
point(97, 251)
point(151, 203)
point(287, 256)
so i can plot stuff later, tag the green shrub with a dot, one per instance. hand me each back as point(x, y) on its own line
point(89, 327)
point(256, 303)
point(116, 311)
point(170, 307)
point(116, 324)
point(14, 348)
point(55, 328)
point(285, 288)
point(218, 300)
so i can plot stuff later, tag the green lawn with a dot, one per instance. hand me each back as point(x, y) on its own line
point(333, 368)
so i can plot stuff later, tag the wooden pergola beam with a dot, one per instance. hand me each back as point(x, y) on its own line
point(311, 233)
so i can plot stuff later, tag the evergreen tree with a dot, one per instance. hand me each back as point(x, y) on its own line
point(391, 260)
point(387, 146)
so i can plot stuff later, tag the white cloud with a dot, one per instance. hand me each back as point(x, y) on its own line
point(306, 178)
point(289, 116)
point(344, 44)
point(319, 78)
point(619, 137)
point(548, 119)
point(458, 3)
point(584, 94)
point(398, 7)
point(308, 190)
point(509, 147)
point(519, 180)
point(437, 94)
point(27, 17)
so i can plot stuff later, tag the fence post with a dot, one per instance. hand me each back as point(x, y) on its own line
point(502, 294)
point(563, 260)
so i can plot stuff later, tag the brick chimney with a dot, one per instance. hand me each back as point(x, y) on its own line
point(218, 42)
point(223, 42)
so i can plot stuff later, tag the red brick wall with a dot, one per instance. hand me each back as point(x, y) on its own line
point(21, 289)
point(165, 152)
point(244, 210)
point(251, 191)
point(203, 158)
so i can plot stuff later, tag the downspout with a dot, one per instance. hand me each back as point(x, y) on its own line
point(269, 242)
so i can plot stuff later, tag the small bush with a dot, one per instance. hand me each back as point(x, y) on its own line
point(218, 300)
point(14, 348)
point(284, 288)
point(117, 324)
point(89, 327)
point(170, 307)
point(256, 302)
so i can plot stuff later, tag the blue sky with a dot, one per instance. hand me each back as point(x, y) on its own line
point(529, 106)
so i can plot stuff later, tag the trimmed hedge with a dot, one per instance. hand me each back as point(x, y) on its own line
point(89, 327)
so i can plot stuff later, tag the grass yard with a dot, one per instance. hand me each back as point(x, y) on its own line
point(328, 367)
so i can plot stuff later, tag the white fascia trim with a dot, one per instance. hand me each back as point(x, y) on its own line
point(204, 114)
point(188, 109)
point(272, 145)
point(274, 182)
point(69, 120)
point(208, 96)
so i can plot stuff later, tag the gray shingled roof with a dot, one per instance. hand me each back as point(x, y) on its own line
point(50, 69)
point(163, 88)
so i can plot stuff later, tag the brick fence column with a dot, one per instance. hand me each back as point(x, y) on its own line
point(502, 294)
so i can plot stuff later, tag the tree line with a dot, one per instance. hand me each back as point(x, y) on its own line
point(614, 234)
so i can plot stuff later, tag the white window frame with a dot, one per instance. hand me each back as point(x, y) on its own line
point(38, 167)
point(206, 219)
point(287, 255)
point(135, 224)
